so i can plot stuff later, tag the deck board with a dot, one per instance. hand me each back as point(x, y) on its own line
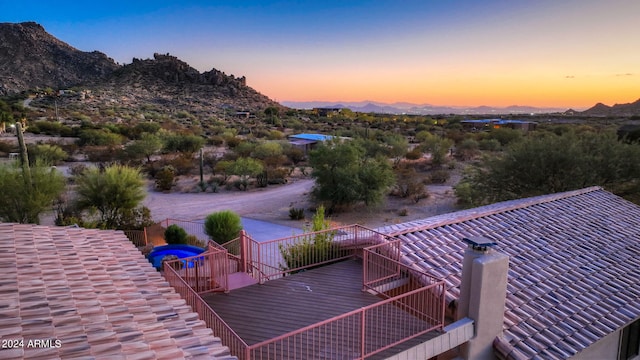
point(261, 312)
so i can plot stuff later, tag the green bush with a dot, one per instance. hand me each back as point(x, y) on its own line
point(174, 235)
point(222, 226)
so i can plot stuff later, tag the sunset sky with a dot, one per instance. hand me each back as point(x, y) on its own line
point(546, 53)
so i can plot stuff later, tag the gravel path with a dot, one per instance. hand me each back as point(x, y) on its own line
point(272, 204)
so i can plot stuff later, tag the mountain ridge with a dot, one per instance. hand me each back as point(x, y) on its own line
point(31, 58)
point(600, 109)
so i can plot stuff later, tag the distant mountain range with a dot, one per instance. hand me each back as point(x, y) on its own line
point(419, 109)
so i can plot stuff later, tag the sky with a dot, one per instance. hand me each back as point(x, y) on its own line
point(544, 53)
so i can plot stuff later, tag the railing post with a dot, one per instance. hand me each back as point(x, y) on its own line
point(243, 251)
point(362, 333)
point(144, 231)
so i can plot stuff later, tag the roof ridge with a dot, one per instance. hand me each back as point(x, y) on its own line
point(482, 211)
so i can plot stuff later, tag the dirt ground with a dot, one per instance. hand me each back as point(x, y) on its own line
point(273, 203)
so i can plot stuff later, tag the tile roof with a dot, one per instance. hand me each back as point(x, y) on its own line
point(574, 272)
point(94, 293)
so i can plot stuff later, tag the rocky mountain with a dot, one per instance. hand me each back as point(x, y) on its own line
point(31, 58)
point(600, 109)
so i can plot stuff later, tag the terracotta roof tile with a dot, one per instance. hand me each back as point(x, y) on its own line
point(573, 276)
point(94, 292)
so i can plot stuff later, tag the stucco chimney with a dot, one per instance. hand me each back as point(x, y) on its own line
point(482, 295)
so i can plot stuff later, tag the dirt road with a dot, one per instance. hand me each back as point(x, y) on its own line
point(271, 203)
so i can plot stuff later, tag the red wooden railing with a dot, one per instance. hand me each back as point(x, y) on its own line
point(137, 237)
point(205, 272)
point(220, 328)
point(416, 309)
point(413, 302)
point(272, 259)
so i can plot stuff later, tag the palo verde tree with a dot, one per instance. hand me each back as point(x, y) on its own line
point(554, 163)
point(113, 192)
point(344, 175)
point(146, 146)
point(24, 198)
point(245, 168)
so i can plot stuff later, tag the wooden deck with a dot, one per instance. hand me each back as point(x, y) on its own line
point(261, 312)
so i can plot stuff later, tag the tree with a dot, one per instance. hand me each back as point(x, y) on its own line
point(112, 191)
point(146, 146)
point(438, 148)
point(22, 200)
point(345, 176)
point(222, 226)
point(553, 163)
point(408, 184)
point(245, 168)
point(183, 143)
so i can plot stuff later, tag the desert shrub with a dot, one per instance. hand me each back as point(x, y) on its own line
point(174, 235)
point(414, 154)
point(489, 144)
point(232, 141)
point(194, 241)
point(99, 137)
point(48, 154)
point(50, 128)
point(216, 140)
point(183, 165)
point(403, 212)
point(314, 248)
point(183, 143)
point(101, 154)
point(505, 135)
point(467, 149)
point(134, 219)
point(275, 135)
point(165, 178)
point(7, 147)
point(277, 175)
point(439, 176)
point(222, 226)
point(296, 213)
point(295, 155)
point(408, 184)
